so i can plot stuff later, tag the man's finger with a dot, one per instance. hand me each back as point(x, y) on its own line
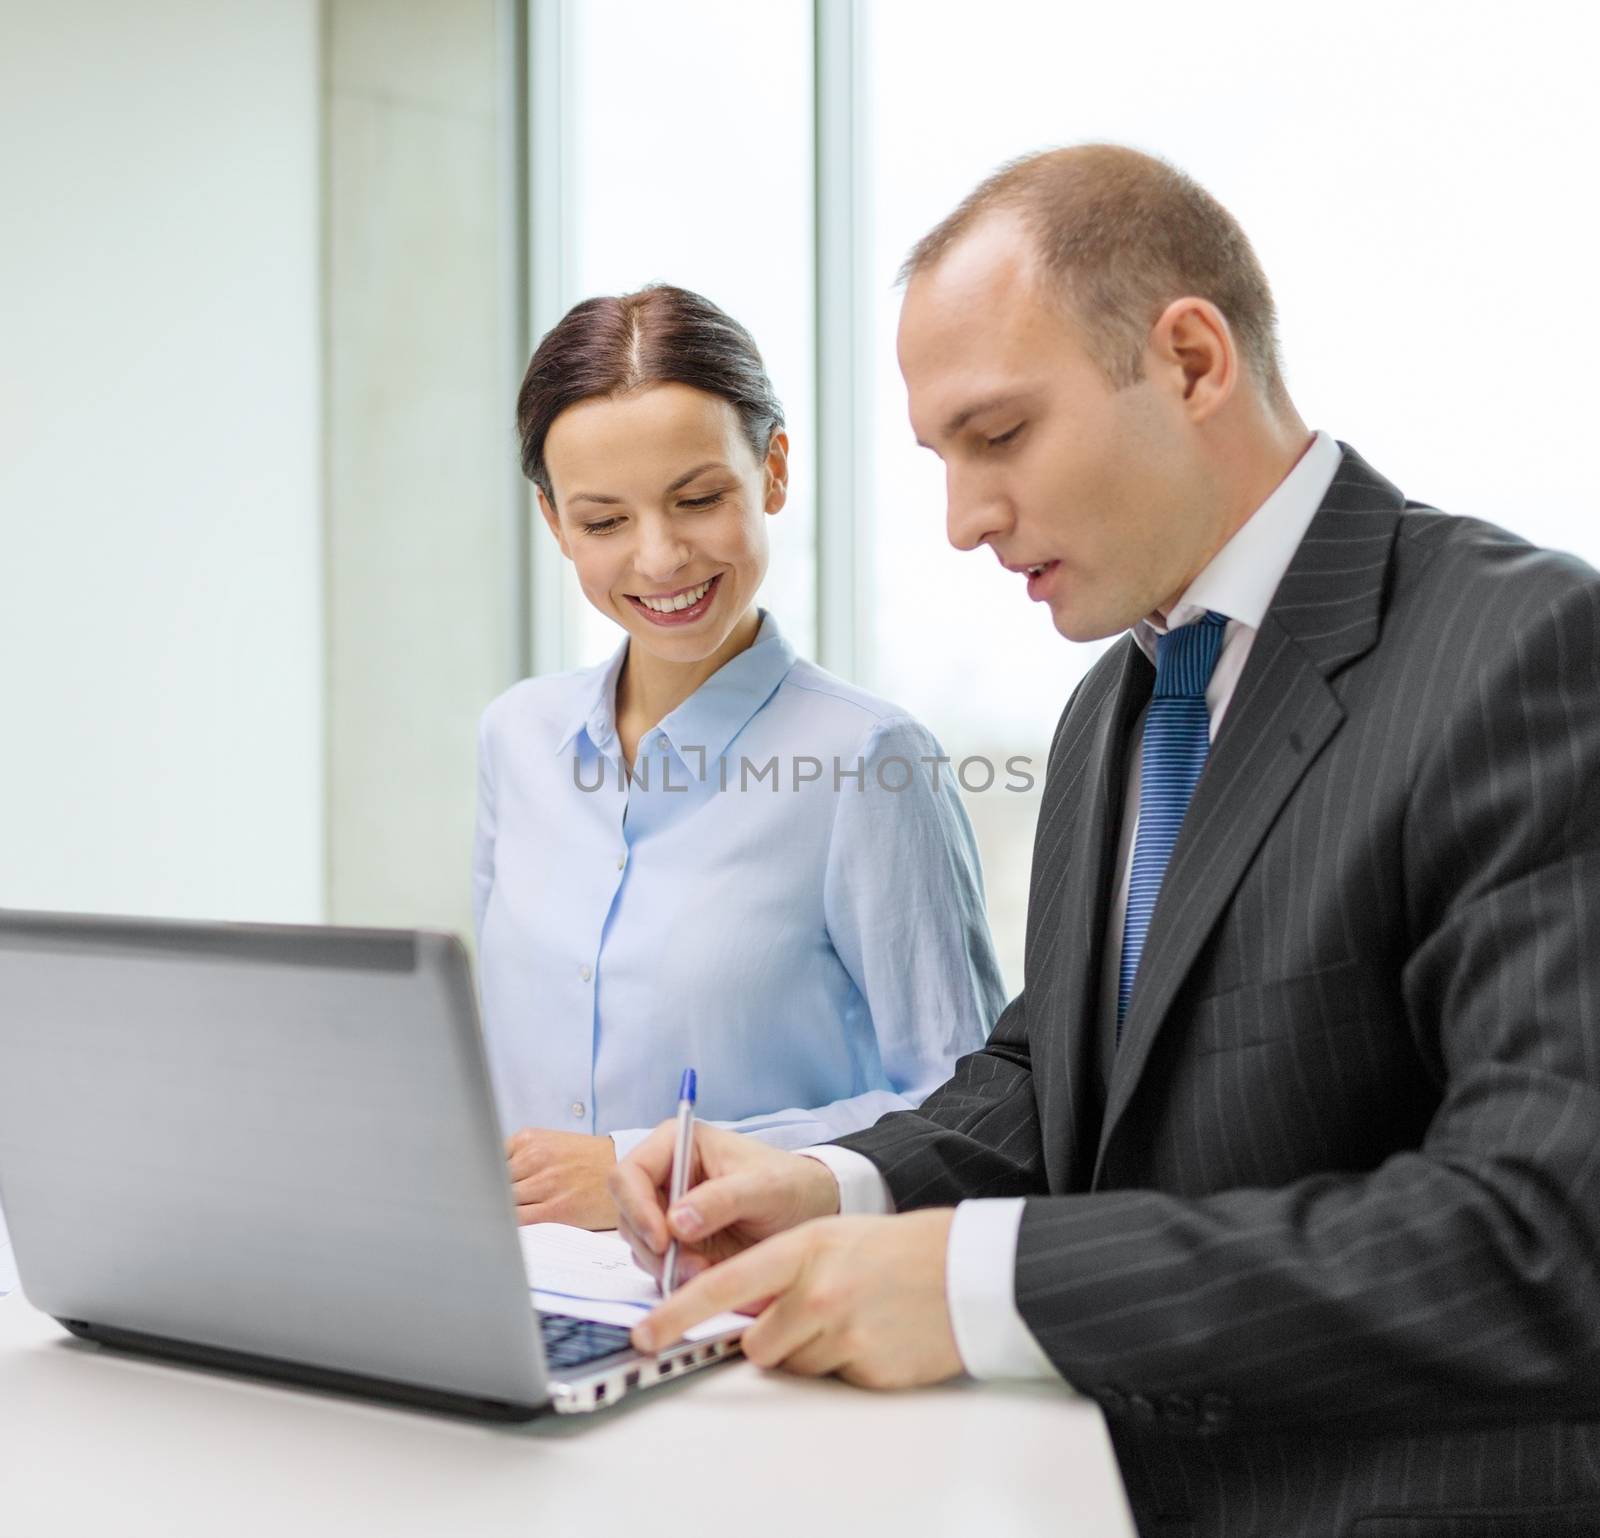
point(654, 1155)
point(639, 1205)
point(765, 1271)
point(791, 1324)
point(690, 1264)
point(645, 1258)
point(713, 1205)
point(818, 1357)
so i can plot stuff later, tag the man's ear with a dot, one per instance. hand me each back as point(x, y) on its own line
point(551, 521)
point(777, 472)
point(1192, 346)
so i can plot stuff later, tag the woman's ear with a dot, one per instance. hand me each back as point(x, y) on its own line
point(777, 472)
point(552, 521)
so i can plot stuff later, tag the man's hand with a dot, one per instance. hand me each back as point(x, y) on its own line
point(560, 1177)
point(862, 1297)
point(740, 1191)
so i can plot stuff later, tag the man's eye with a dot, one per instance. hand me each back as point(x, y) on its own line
point(1005, 438)
point(707, 501)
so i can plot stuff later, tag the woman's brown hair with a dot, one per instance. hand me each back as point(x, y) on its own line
point(616, 344)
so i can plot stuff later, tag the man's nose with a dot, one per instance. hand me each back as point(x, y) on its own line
point(974, 512)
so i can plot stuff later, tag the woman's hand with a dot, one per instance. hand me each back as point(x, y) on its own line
point(560, 1177)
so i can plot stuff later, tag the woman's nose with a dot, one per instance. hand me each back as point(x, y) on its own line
point(661, 550)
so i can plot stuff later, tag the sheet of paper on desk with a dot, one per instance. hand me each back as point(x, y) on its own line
point(581, 1264)
point(592, 1276)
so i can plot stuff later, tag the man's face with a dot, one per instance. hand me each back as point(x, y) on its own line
point(1086, 491)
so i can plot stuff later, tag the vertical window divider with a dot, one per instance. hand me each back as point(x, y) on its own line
point(546, 268)
point(843, 426)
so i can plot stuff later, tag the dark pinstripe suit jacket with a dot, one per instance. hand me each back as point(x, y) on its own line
point(1327, 1253)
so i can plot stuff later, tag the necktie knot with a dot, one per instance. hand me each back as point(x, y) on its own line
point(1187, 656)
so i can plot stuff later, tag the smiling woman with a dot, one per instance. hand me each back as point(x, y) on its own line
point(706, 851)
point(676, 565)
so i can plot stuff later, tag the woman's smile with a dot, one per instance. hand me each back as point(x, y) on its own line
point(683, 606)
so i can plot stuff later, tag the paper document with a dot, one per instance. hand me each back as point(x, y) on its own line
point(592, 1276)
point(581, 1264)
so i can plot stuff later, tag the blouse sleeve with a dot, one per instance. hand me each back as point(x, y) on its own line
point(904, 909)
point(483, 835)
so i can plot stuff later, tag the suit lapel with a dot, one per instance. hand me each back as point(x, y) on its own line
point(1325, 614)
point(1072, 879)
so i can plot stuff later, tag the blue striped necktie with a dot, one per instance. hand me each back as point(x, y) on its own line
point(1177, 737)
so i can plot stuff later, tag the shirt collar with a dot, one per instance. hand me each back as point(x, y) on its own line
point(711, 717)
point(1240, 579)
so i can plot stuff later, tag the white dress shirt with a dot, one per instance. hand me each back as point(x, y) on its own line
point(785, 896)
point(1239, 581)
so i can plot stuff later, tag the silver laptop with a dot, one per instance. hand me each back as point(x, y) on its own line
point(274, 1148)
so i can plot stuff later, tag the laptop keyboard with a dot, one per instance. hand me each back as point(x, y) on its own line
point(570, 1342)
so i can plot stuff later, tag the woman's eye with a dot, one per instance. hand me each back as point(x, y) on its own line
point(601, 526)
point(1005, 438)
point(698, 502)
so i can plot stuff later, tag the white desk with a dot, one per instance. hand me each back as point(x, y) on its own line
point(96, 1442)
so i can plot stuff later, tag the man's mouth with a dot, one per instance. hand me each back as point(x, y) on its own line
point(1039, 578)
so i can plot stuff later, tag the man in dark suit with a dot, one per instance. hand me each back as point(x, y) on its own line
point(1289, 1152)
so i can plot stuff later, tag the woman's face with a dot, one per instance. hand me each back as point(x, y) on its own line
point(661, 506)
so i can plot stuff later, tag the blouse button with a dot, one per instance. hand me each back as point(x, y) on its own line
point(586, 971)
point(578, 1108)
point(622, 860)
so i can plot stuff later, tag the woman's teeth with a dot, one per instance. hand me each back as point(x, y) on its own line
point(682, 600)
point(1033, 571)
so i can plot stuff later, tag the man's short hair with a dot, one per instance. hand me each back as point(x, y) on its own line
point(1124, 234)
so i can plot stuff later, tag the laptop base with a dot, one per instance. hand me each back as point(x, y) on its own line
point(303, 1375)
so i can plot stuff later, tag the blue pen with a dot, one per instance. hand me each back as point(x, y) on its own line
point(682, 1156)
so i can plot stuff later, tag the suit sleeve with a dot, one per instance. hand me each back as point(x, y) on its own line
point(1456, 1281)
point(977, 1135)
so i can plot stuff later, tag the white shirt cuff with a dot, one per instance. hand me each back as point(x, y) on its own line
point(980, 1289)
point(863, 1192)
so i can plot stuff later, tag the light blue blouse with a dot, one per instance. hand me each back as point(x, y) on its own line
point(780, 897)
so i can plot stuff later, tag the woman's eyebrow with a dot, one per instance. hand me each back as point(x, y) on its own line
point(682, 481)
point(688, 475)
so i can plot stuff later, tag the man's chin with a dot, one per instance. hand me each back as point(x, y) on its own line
point(1083, 628)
